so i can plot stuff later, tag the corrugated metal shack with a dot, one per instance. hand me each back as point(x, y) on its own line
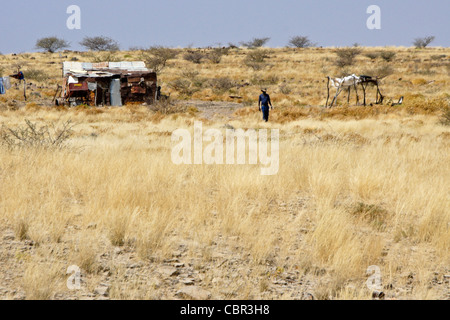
point(108, 83)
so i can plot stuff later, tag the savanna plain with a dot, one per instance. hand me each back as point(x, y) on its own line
point(357, 186)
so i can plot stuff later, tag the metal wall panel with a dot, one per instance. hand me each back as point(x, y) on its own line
point(116, 99)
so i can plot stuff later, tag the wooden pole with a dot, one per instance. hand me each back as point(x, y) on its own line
point(328, 90)
point(356, 91)
point(338, 91)
point(364, 92)
point(56, 93)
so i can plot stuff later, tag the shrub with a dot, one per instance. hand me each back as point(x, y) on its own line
point(36, 75)
point(255, 43)
point(346, 56)
point(421, 43)
point(156, 63)
point(372, 55)
point(285, 89)
point(221, 84)
point(438, 57)
point(184, 86)
point(266, 80)
point(381, 71)
point(195, 57)
point(33, 136)
point(189, 74)
point(374, 214)
point(168, 106)
point(387, 55)
point(300, 42)
point(100, 43)
point(256, 59)
point(216, 55)
point(156, 57)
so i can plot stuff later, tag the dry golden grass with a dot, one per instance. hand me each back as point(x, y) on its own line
point(357, 186)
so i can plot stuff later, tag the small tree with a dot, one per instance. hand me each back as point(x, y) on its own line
point(300, 42)
point(255, 43)
point(421, 43)
point(100, 43)
point(156, 57)
point(51, 44)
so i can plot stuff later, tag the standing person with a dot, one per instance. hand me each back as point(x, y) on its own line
point(264, 103)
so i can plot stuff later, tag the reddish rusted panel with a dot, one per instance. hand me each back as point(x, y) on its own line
point(138, 89)
point(83, 86)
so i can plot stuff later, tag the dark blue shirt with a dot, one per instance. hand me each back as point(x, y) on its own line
point(264, 99)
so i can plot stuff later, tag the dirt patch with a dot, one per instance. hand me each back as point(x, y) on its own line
point(214, 109)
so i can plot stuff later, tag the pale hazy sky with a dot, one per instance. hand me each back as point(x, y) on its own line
point(179, 23)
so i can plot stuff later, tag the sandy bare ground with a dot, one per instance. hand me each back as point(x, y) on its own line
point(214, 110)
